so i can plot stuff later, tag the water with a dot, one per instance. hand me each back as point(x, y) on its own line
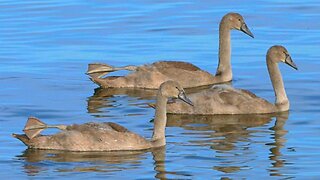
point(45, 49)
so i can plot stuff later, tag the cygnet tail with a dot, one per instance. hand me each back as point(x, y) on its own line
point(23, 138)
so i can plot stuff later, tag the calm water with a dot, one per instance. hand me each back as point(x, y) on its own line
point(45, 49)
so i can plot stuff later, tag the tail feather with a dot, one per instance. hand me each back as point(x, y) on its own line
point(23, 138)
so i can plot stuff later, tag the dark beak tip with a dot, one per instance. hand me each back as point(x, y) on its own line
point(184, 98)
point(248, 33)
point(188, 101)
point(294, 67)
point(244, 28)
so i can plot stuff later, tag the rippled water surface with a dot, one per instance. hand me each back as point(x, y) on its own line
point(45, 49)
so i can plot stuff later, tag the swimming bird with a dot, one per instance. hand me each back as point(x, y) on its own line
point(106, 136)
point(224, 99)
point(188, 75)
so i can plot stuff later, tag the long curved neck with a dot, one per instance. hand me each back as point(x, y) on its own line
point(282, 102)
point(160, 121)
point(224, 68)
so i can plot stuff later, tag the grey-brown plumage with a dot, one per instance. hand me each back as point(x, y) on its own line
point(103, 136)
point(224, 99)
point(89, 137)
point(152, 75)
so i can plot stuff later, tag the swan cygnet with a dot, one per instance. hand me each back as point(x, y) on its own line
point(103, 136)
point(150, 76)
point(224, 99)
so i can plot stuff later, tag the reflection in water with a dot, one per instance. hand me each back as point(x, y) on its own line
point(225, 133)
point(159, 157)
point(232, 128)
point(105, 162)
point(102, 97)
point(279, 140)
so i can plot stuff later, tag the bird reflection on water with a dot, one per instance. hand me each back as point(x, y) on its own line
point(102, 98)
point(103, 162)
point(230, 136)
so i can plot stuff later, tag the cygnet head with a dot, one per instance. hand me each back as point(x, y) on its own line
point(172, 89)
point(236, 21)
point(278, 54)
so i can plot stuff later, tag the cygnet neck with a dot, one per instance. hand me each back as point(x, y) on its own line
point(281, 102)
point(160, 121)
point(224, 71)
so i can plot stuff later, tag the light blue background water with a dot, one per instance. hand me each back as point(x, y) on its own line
point(45, 47)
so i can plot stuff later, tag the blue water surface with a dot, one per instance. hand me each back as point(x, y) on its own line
point(45, 47)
